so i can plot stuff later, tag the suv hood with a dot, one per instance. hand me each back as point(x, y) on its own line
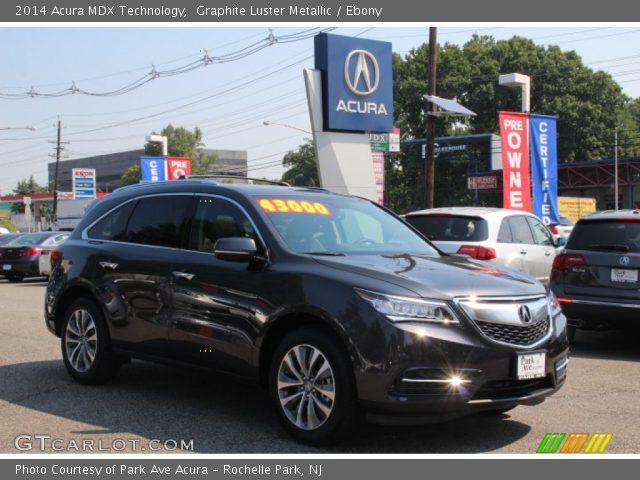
point(442, 277)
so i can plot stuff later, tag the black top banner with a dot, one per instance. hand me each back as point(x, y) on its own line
point(368, 11)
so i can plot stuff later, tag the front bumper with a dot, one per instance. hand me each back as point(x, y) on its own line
point(593, 312)
point(392, 392)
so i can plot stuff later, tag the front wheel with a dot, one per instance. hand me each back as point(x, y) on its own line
point(311, 385)
point(86, 348)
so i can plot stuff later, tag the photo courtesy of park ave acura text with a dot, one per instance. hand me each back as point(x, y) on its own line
point(248, 236)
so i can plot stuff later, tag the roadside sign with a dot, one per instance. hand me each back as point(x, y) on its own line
point(385, 142)
point(488, 182)
point(84, 182)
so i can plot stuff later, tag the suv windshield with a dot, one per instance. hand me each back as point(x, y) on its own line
point(334, 225)
point(450, 228)
point(613, 235)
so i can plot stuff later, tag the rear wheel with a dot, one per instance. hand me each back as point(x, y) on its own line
point(86, 348)
point(311, 385)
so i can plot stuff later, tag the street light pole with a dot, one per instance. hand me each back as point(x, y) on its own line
point(267, 123)
point(516, 80)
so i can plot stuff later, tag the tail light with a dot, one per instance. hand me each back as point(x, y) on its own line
point(55, 257)
point(554, 229)
point(478, 251)
point(565, 261)
point(30, 252)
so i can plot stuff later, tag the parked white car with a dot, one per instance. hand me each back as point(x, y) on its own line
point(44, 261)
point(562, 229)
point(515, 239)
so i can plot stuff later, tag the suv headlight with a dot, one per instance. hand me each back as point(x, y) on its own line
point(405, 309)
point(554, 305)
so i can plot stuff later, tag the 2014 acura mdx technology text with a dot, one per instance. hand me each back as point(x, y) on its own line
point(332, 302)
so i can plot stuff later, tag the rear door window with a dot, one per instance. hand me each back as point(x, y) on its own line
point(451, 228)
point(616, 236)
point(520, 231)
point(160, 221)
point(113, 225)
point(504, 234)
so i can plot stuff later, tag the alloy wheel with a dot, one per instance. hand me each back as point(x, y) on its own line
point(81, 340)
point(306, 387)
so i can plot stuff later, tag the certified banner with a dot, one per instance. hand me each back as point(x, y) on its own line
point(514, 130)
point(544, 168)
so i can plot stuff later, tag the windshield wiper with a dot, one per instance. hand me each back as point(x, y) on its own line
point(328, 254)
point(613, 247)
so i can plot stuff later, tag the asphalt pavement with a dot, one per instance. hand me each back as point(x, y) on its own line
point(41, 406)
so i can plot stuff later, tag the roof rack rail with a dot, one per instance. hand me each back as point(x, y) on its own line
point(238, 177)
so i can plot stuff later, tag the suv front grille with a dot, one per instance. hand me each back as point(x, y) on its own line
point(516, 335)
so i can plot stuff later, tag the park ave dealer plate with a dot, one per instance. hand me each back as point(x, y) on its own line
point(531, 365)
point(624, 275)
point(6, 267)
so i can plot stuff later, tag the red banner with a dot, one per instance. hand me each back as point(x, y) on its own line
point(514, 130)
point(178, 167)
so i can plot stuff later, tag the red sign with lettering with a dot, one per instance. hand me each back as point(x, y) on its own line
point(514, 130)
point(178, 167)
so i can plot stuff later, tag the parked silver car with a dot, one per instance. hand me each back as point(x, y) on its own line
point(515, 239)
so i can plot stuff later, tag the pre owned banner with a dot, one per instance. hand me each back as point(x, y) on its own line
point(178, 167)
point(544, 168)
point(514, 130)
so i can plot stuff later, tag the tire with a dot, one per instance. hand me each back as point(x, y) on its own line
point(15, 278)
point(328, 420)
point(85, 343)
point(571, 333)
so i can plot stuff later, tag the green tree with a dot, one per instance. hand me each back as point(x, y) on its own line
point(183, 142)
point(131, 175)
point(26, 187)
point(302, 166)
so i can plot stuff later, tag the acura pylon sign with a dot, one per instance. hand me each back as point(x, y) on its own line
point(357, 83)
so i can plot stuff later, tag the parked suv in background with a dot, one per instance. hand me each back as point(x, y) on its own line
point(561, 229)
point(332, 302)
point(515, 239)
point(596, 278)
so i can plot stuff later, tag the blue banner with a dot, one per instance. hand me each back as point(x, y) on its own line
point(152, 169)
point(357, 83)
point(544, 168)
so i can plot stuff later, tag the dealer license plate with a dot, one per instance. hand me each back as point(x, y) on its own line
point(623, 275)
point(6, 267)
point(531, 365)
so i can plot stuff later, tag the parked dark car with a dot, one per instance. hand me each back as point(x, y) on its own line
point(596, 278)
point(19, 258)
point(332, 302)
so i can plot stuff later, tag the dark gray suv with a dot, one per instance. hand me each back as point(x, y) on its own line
point(596, 278)
point(333, 303)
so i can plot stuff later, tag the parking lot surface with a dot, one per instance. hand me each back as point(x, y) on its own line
point(214, 414)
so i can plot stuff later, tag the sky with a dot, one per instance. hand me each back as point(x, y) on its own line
point(229, 101)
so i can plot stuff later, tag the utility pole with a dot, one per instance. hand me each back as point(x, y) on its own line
point(58, 156)
point(430, 160)
point(615, 169)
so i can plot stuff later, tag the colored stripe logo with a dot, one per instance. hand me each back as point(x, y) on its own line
point(574, 443)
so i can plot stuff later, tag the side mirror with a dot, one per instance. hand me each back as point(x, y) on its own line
point(561, 242)
point(235, 249)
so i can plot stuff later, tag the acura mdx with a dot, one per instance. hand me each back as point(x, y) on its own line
point(333, 303)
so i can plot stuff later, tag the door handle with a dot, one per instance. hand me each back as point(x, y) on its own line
point(523, 252)
point(109, 265)
point(547, 253)
point(184, 275)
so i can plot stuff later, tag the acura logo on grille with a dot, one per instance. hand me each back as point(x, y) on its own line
point(525, 314)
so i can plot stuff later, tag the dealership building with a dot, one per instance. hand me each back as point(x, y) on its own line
point(110, 167)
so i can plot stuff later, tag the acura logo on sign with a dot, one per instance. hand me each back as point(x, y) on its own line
point(361, 72)
point(524, 313)
point(624, 260)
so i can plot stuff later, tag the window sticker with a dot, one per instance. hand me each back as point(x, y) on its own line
point(281, 205)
